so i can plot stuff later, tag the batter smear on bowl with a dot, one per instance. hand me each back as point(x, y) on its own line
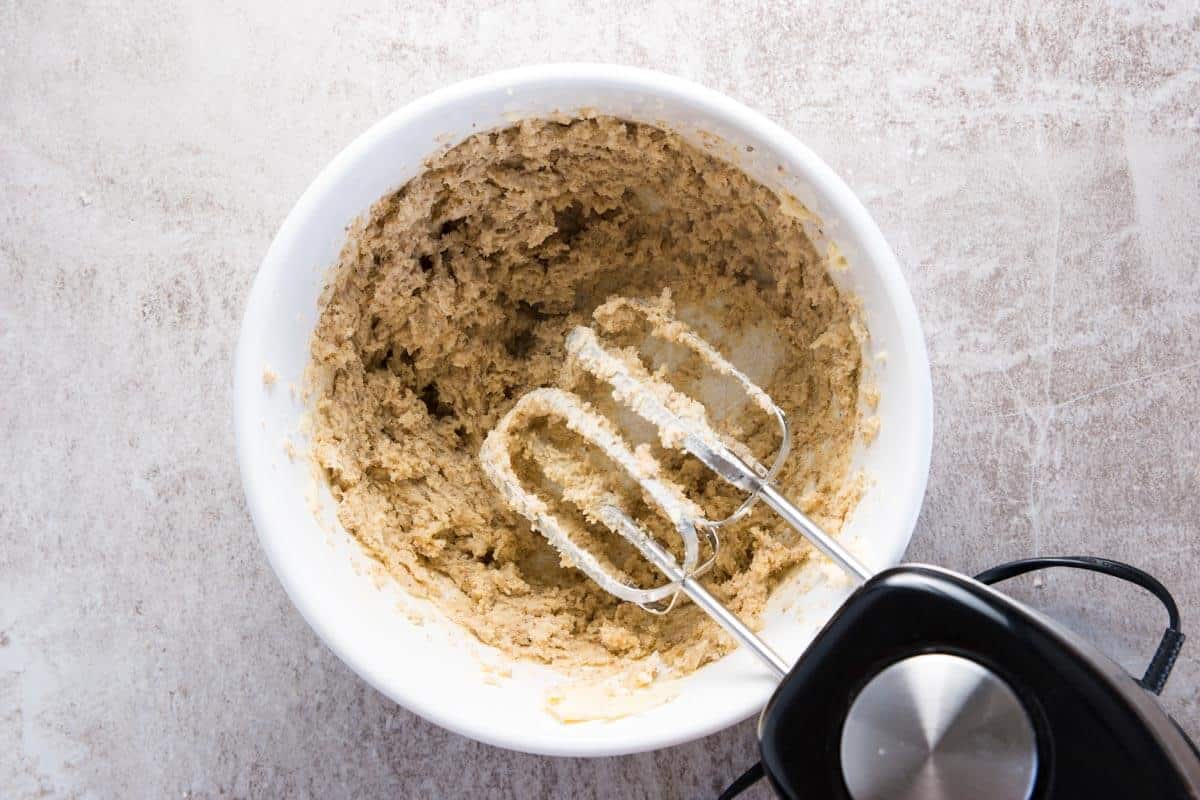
point(454, 297)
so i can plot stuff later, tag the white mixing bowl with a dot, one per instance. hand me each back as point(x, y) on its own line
point(400, 645)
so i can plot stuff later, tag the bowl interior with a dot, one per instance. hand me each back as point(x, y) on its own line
point(400, 645)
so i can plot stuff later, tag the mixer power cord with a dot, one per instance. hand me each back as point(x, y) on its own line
point(1163, 661)
point(1157, 672)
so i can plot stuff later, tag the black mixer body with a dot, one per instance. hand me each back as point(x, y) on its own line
point(1036, 712)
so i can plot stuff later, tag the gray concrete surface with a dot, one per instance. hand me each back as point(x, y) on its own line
point(1034, 164)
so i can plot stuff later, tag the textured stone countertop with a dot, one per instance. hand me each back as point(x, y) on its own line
point(1034, 164)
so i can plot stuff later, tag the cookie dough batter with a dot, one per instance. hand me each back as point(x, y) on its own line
point(453, 298)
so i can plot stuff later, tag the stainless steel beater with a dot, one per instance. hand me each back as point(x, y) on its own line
point(682, 423)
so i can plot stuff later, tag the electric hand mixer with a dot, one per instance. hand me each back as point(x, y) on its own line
point(925, 684)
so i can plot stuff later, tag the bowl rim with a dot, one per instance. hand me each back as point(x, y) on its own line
point(256, 484)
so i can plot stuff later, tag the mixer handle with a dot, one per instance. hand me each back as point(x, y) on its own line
point(1171, 643)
